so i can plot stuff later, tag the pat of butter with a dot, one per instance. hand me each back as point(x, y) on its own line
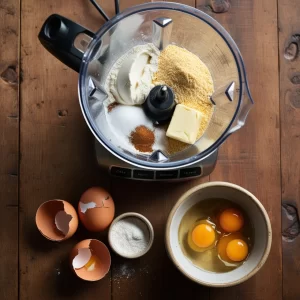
point(184, 125)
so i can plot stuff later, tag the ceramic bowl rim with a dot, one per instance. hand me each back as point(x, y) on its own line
point(141, 217)
point(184, 198)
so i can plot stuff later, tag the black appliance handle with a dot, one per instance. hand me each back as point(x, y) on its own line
point(58, 34)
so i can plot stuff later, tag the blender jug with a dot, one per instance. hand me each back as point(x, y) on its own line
point(161, 23)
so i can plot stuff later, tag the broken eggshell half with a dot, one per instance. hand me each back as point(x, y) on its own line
point(56, 220)
point(96, 209)
point(90, 260)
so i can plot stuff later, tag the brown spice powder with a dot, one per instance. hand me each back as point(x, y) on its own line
point(111, 106)
point(142, 138)
point(192, 83)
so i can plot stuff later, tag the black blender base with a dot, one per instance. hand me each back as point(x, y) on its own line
point(118, 168)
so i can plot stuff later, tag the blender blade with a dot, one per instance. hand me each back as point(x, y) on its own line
point(230, 91)
point(223, 95)
point(96, 98)
point(158, 156)
point(161, 32)
point(96, 92)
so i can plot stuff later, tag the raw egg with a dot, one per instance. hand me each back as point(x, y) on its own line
point(237, 250)
point(216, 235)
point(90, 260)
point(231, 220)
point(96, 209)
point(232, 248)
point(202, 236)
point(56, 220)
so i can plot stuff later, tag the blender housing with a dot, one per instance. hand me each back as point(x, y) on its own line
point(160, 23)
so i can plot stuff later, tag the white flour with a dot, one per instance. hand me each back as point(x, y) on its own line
point(130, 236)
point(122, 120)
point(141, 75)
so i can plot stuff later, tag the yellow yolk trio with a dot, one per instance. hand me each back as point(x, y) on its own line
point(231, 247)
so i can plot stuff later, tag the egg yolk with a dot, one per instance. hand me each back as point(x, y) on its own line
point(237, 250)
point(203, 235)
point(91, 264)
point(231, 220)
point(223, 242)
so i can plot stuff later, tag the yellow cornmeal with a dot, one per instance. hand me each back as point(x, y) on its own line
point(191, 82)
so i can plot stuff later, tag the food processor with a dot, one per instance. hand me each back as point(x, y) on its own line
point(161, 23)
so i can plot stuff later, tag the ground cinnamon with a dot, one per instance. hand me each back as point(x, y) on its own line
point(142, 138)
point(111, 106)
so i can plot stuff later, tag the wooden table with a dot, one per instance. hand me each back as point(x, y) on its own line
point(46, 152)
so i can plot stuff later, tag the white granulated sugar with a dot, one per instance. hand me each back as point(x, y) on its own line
point(124, 271)
point(161, 141)
point(130, 236)
point(123, 120)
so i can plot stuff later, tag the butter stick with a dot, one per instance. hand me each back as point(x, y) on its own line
point(184, 125)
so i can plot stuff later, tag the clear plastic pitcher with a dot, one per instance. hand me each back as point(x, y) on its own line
point(161, 23)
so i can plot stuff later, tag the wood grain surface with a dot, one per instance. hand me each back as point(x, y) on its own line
point(57, 154)
point(251, 156)
point(48, 153)
point(9, 147)
point(289, 38)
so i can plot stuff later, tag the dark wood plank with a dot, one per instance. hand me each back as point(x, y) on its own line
point(152, 276)
point(129, 3)
point(9, 147)
point(57, 162)
point(57, 155)
point(289, 27)
point(251, 157)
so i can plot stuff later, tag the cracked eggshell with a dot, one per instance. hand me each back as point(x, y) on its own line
point(96, 209)
point(90, 260)
point(56, 220)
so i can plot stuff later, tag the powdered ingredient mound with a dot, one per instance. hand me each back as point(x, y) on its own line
point(191, 81)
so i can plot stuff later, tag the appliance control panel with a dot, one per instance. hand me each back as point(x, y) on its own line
point(139, 174)
point(120, 169)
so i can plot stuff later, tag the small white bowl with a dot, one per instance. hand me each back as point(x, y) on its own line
point(142, 218)
point(257, 215)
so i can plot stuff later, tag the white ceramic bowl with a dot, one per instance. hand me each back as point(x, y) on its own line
point(134, 215)
point(257, 215)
